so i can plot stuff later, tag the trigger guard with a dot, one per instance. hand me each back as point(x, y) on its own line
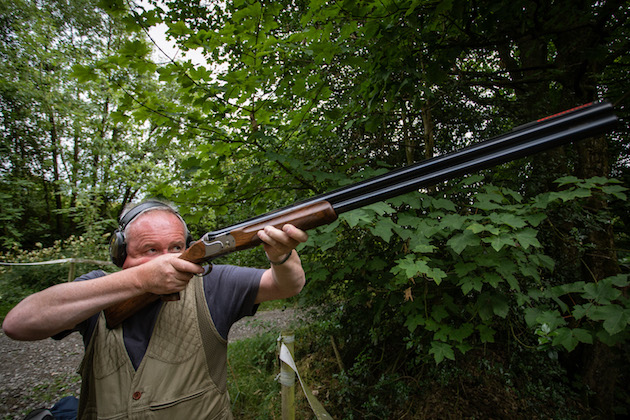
point(207, 271)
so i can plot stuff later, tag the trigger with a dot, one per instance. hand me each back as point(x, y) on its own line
point(207, 271)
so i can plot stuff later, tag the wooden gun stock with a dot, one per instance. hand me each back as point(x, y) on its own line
point(245, 236)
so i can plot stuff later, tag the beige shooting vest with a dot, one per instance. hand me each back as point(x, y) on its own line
point(183, 374)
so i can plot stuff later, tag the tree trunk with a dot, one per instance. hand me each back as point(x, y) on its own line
point(54, 143)
point(427, 121)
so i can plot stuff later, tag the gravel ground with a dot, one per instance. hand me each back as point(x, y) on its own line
point(35, 374)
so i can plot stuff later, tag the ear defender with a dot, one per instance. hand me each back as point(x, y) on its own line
point(118, 246)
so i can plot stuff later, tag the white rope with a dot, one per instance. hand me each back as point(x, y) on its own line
point(61, 261)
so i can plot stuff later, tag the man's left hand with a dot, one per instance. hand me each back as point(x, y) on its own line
point(280, 242)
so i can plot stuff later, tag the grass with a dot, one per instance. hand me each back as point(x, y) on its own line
point(253, 367)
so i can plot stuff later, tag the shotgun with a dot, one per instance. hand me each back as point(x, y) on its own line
point(569, 126)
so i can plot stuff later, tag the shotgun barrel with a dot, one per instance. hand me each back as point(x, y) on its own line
point(568, 126)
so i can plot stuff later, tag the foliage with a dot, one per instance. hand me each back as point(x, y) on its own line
point(495, 381)
point(73, 149)
point(462, 272)
point(17, 282)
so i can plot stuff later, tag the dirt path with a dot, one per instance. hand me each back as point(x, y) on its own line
point(46, 369)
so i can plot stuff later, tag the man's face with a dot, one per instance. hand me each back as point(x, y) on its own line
point(153, 234)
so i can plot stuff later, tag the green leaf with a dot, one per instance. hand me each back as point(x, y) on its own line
point(572, 194)
point(377, 264)
point(602, 292)
point(584, 336)
point(383, 229)
point(565, 337)
point(615, 317)
point(488, 201)
point(513, 282)
point(499, 241)
point(472, 179)
point(469, 283)
point(441, 351)
point(508, 219)
point(406, 219)
point(84, 73)
point(616, 190)
point(423, 247)
point(531, 316)
point(380, 208)
point(609, 340)
point(326, 237)
point(436, 274)
point(567, 180)
point(552, 318)
point(356, 217)
point(535, 219)
point(137, 49)
point(580, 311)
point(410, 266)
point(476, 228)
point(500, 306)
point(542, 261)
point(439, 312)
point(178, 28)
point(462, 333)
point(412, 322)
point(443, 203)
point(463, 240)
point(620, 280)
point(442, 333)
point(493, 279)
point(413, 200)
point(490, 304)
point(452, 221)
point(463, 268)
point(486, 334)
point(527, 238)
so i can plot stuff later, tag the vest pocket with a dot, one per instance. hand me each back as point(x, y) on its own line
point(168, 404)
point(211, 404)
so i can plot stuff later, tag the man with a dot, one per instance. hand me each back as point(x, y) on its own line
point(169, 360)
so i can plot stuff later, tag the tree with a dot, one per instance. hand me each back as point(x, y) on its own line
point(306, 96)
point(74, 147)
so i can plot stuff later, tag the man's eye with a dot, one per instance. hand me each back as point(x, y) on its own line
point(177, 248)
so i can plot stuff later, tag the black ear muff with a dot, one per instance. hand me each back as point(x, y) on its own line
point(118, 246)
point(189, 239)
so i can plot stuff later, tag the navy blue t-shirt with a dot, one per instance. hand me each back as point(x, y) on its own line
point(230, 293)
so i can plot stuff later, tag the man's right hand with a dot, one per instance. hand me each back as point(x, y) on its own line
point(165, 274)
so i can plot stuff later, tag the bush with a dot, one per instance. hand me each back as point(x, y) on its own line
point(17, 282)
point(427, 279)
